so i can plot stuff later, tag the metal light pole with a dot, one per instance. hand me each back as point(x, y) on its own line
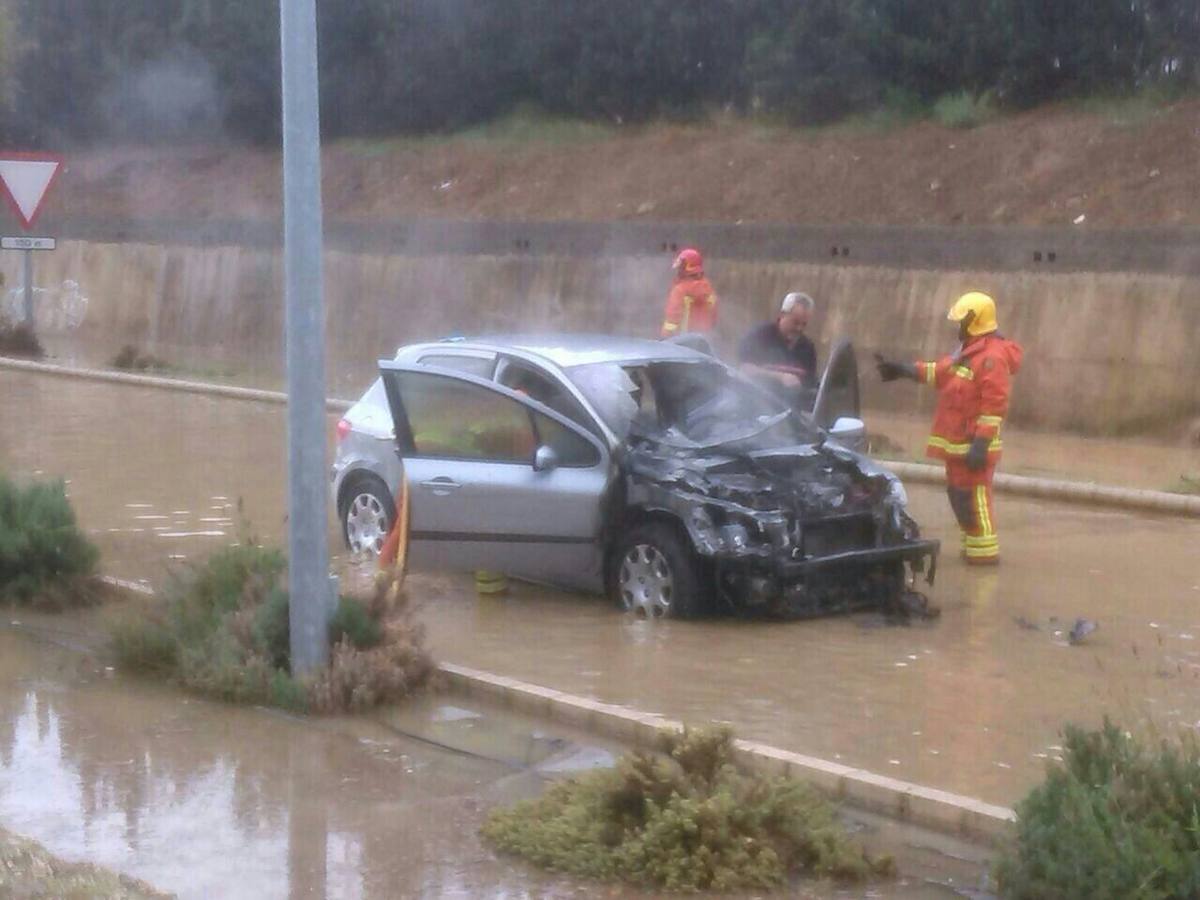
point(312, 593)
point(29, 288)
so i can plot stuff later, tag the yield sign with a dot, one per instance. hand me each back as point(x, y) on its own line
point(26, 178)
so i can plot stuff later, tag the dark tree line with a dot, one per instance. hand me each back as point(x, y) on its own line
point(111, 69)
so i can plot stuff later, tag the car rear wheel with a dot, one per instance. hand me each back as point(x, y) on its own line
point(367, 515)
point(654, 574)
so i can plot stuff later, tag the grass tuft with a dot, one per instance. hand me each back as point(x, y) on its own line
point(224, 633)
point(130, 359)
point(684, 820)
point(963, 110)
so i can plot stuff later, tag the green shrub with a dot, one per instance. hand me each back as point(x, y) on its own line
point(686, 820)
point(351, 621)
point(963, 110)
point(272, 633)
point(1118, 819)
point(144, 643)
point(44, 557)
point(224, 632)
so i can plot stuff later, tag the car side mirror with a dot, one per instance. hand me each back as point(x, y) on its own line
point(849, 432)
point(545, 459)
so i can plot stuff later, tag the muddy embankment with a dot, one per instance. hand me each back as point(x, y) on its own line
point(1106, 352)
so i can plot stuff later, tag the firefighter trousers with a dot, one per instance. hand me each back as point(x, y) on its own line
point(970, 494)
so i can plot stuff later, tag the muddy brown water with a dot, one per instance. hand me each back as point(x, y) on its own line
point(972, 702)
point(206, 800)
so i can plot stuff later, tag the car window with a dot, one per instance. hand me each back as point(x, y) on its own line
point(545, 390)
point(571, 449)
point(452, 419)
point(479, 366)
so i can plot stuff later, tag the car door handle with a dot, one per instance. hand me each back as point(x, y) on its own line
point(441, 485)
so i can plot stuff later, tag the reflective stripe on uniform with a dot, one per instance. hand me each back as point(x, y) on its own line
point(687, 311)
point(982, 511)
point(670, 326)
point(990, 420)
point(930, 373)
point(955, 449)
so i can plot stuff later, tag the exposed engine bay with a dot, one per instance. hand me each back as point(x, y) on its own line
point(792, 523)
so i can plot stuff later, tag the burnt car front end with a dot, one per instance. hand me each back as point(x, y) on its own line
point(797, 531)
point(789, 522)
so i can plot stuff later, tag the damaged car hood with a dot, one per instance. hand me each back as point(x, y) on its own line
point(740, 500)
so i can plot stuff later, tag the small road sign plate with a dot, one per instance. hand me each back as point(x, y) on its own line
point(26, 243)
point(26, 177)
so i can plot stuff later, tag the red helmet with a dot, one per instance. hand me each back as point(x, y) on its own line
point(689, 262)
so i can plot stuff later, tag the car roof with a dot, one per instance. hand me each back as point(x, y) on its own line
point(567, 350)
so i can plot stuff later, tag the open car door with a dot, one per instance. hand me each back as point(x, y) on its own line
point(497, 480)
point(837, 394)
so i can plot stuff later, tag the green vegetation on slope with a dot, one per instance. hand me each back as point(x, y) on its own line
point(196, 69)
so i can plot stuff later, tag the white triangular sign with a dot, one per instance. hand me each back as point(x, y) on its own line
point(26, 181)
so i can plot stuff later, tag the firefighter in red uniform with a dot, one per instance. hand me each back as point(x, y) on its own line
point(973, 386)
point(692, 304)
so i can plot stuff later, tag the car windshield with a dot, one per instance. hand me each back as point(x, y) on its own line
point(688, 404)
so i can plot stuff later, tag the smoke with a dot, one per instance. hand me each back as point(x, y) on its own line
point(174, 96)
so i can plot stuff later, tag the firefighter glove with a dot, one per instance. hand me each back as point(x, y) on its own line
point(977, 455)
point(891, 371)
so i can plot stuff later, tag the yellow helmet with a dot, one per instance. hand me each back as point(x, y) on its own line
point(984, 308)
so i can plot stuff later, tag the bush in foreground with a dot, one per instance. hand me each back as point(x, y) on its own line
point(1118, 819)
point(45, 559)
point(224, 632)
point(685, 820)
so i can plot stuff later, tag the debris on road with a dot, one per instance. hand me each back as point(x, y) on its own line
point(1081, 629)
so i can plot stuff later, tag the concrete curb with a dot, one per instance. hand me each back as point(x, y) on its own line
point(931, 808)
point(1068, 491)
point(1045, 488)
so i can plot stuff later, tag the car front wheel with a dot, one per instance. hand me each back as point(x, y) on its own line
point(654, 573)
point(367, 515)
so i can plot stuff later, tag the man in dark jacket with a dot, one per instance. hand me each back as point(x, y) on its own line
point(779, 353)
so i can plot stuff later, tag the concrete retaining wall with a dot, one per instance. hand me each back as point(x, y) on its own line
point(1106, 352)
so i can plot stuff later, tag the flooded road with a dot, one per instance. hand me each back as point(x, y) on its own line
point(206, 800)
point(972, 702)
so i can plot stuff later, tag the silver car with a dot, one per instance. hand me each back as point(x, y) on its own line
point(645, 469)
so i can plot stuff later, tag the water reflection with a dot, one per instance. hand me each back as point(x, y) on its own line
point(212, 801)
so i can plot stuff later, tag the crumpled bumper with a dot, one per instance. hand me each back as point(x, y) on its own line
point(920, 555)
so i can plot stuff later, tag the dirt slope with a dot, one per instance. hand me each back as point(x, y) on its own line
point(1046, 167)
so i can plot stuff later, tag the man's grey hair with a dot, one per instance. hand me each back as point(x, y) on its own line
point(794, 299)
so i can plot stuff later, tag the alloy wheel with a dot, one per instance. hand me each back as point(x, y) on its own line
point(645, 583)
